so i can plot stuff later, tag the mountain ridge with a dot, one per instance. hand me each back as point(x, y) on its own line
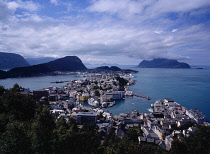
point(65, 64)
point(11, 60)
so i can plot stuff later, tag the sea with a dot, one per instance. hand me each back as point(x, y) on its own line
point(188, 87)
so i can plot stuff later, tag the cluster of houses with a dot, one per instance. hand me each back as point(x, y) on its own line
point(166, 121)
point(99, 90)
point(159, 127)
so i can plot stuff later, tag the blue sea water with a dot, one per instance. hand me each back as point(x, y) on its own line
point(188, 87)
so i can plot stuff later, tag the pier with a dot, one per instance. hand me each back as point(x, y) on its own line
point(142, 96)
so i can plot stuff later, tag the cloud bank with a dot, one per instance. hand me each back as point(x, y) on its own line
point(122, 31)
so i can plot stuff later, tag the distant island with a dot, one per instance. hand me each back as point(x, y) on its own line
point(11, 60)
point(107, 69)
point(163, 63)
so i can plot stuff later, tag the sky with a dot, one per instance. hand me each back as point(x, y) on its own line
point(107, 31)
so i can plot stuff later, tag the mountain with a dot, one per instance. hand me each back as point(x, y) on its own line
point(163, 63)
point(36, 61)
point(107, 68)
point(66, 64)
point(11, 60)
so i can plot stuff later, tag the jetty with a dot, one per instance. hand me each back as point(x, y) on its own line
point(59, 81)
point(142, 96)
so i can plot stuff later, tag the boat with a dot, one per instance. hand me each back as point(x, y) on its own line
point(150, 110)
point(93, 102)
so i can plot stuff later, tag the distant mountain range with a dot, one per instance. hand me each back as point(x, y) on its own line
point(11, 60)
point(66, 64)
point(36, 61)
point(163, 63)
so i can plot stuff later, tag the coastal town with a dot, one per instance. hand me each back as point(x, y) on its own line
point(166, 121)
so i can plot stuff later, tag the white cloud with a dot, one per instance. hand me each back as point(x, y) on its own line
point(104, 39)
point(146, 9)
point(32, 38)
point(158, 31)
point(55, 2)
point(174, 30)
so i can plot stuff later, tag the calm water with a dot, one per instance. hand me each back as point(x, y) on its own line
point(189, 87)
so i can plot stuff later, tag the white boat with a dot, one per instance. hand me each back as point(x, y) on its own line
point(93, 102)
point(150, 110)
point(128, 93)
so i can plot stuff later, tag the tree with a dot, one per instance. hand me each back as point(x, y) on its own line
point(42, 131)
point(97, 93)
point(15, 139)
point(2, 90)
point(16, 88)
point(132, 135)
point(21, 106)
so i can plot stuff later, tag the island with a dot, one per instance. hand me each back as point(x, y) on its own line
point(163, 63)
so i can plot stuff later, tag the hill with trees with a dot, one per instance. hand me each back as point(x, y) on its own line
point(66, 64)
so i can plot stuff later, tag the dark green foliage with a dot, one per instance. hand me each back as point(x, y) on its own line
point(132, 135)
point(85, 143)
point(178, 147)
point(21, 106)
point(97, 93)
point(15, 139)
point(2, 90)
point(91, 128)
point(16, 88)
point(42, 131)
point(122, 83)
point(152, 149)
point(198, 142)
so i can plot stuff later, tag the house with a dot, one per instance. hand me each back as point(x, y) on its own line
point(37, 94)
point(168, 142)
point(86, 118)
point(195, 115)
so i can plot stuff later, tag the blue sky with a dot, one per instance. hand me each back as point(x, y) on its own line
point(107, 31)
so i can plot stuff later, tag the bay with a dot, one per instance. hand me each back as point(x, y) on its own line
point(188, 87)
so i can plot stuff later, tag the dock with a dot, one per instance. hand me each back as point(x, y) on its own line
point(142, 96)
